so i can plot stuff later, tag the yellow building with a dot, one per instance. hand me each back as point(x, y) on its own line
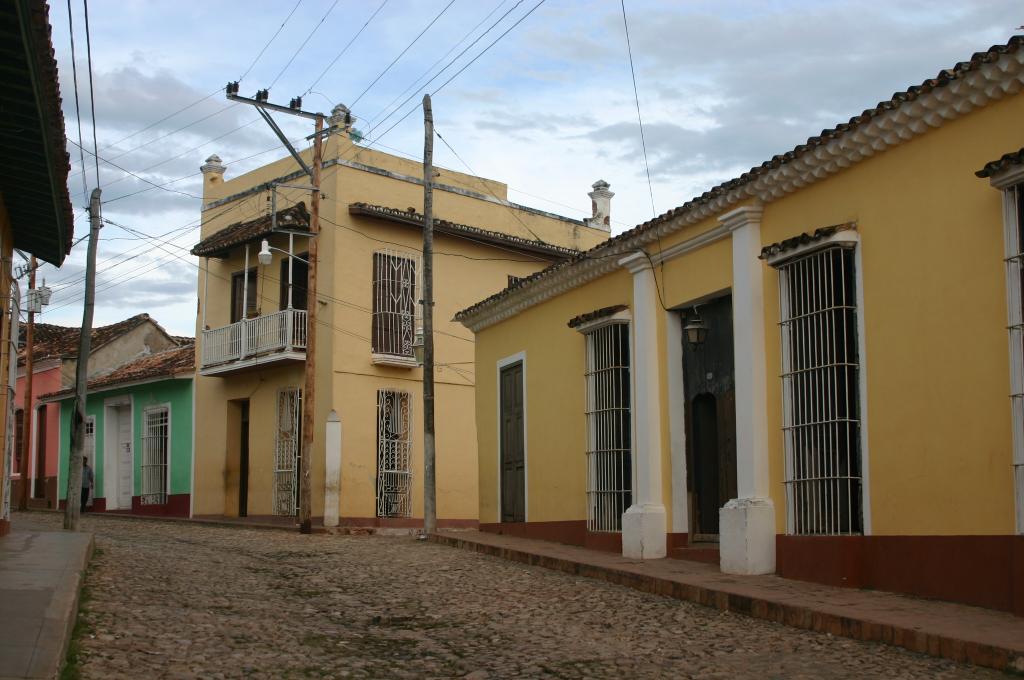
point(802, 371)
point(366, 467)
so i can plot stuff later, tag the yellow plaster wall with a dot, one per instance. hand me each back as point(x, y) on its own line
point(938, 415)
point(465, 271)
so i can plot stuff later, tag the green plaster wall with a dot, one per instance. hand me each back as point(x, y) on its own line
point(175, 392)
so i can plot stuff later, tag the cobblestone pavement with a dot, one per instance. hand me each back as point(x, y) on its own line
point(179, 600)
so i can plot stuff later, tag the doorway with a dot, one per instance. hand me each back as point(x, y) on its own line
point(243, 460)
point(709, 385)
point(118, 458)
point(513, 450)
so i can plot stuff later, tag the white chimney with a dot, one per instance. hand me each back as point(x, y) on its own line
point(601, 203)
point(212, 168)
point(341, 120)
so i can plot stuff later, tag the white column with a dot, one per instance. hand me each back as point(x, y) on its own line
point(332, 483)
point(747, 523)
point(676, 421)
point(643, 524)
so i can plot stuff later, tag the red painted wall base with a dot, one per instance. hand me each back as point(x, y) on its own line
point(177, 505)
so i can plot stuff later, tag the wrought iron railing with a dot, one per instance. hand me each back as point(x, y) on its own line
point(283, 331)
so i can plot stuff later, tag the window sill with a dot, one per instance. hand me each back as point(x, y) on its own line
point(394, 360)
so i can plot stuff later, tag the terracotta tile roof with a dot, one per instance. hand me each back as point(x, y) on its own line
point(33, 149)
point(802, 240)
point(612, 246)
point(1005, 161)
point(52, 342)
point(217, 244)
point(487, 236)
point(166, 364)
point(578, 321)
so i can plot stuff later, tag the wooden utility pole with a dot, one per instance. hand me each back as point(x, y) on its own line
point(309, 393)
point(26, 410)
point(429, 479)
point(72, 510)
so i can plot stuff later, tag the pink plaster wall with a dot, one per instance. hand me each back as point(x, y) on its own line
point(43, 382)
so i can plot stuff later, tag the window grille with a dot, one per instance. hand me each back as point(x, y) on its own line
point(155, 454)
point(287, 449)
point(821, 392)
point(19, 438)
point(1014, 242)
point(90, 438)
point(609, 427)
point(394, 303)
point(394, 449)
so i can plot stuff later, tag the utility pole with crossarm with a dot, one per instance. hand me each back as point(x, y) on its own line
point(264, 107)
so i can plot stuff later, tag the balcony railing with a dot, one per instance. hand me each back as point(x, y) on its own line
point(277, 333)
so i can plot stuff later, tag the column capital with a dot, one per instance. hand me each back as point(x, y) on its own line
point(636, 262)
point(741, 217)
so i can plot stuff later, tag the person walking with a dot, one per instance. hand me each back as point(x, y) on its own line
point(87, 482)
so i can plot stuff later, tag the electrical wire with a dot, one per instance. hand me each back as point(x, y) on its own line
point(139, 177)
point(303, 45)
point(636, 98)
point(402, 53)
point(272, 39)
point(343, 50)
point(78, 112)
point(92, 92)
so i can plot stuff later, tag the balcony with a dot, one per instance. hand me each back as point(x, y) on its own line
point(265, 340)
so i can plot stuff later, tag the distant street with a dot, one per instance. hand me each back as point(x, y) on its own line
point(188, 601)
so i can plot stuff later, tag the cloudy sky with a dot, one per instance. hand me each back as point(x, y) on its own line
point(548, 109)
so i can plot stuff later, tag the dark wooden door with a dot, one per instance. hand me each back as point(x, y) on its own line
point(709, 380)
point(40, 490)
point(513, 452)
point(243, 462)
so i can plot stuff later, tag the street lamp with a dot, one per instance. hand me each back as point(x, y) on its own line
point(265, 256)
point(695, 330)
point(417, 346)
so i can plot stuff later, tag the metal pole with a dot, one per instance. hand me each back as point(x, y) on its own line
point(74, 493)
point(26, 413)
point(429, 481)
point(309, 393)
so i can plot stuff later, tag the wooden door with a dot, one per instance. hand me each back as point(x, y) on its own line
point(513, 449)
point(709, 382)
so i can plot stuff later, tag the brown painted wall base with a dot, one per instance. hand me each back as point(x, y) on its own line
point(569, 532)
point(177, 506)
point(5, 527)
point(986, 571)
point(404, 523)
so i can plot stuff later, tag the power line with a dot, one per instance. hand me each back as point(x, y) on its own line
point(402, 53)
point(636, 98)
point(92, 91)
point(440, 59)
point(139, 177)
point(78, 112)
point(303, 45)
point(344, 49)
point(272, 39)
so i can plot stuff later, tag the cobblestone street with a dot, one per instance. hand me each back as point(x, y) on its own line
point(180, 600)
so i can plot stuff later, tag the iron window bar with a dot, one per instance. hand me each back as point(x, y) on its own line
point(287, 449)
point(155, 456)
point(609, 427)
point(821, 392)
point(395, 313)
point(394, 453)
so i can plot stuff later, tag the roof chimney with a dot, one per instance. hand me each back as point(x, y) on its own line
point(601, 203)
point(212, 169)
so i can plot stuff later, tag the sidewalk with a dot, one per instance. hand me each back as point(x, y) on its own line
point(40, 576)
point(968, 634)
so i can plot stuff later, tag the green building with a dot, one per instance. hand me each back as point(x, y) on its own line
point(139, 435)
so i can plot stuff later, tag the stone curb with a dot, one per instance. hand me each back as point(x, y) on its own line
point(72, 618)
point(796, 616)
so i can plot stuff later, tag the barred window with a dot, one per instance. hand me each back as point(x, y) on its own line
point(609, 427)
point(1014, 244)
point(821, 392)
point(394, 303)
point(394, 449)
point(287, 449)
point(155, 453)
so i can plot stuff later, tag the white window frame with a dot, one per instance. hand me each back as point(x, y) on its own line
point(1011, 185)
point(601, 517)
point(383, 304)
point(397, 502)
point(821, 497)
point(160, 498)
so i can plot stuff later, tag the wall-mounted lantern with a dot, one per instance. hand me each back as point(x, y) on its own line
point(417, 346)
point(695, 330)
